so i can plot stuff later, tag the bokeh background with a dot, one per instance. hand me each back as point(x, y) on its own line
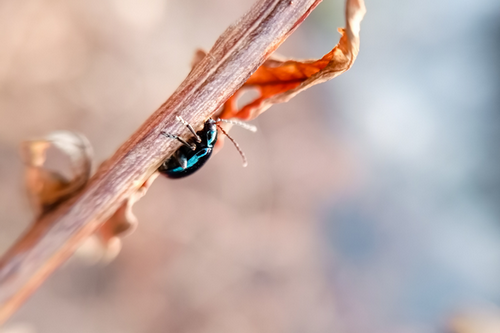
point(370, 204)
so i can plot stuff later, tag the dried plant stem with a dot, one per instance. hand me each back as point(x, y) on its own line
point(234, 57)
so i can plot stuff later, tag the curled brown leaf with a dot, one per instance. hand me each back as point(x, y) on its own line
point(47, 188)
point(278, 80)
point(106, 243)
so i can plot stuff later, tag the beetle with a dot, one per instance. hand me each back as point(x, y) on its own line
point(195, 152)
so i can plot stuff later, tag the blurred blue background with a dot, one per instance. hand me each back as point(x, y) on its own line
point(419, 238)
point(370, 203)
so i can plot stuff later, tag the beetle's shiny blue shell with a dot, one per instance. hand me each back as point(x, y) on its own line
point(196, 158)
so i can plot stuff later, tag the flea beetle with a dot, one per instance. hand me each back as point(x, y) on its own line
point(194, 152)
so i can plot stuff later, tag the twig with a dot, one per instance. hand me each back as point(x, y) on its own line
point(234, 57)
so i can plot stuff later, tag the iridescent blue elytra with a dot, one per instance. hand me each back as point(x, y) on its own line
point(186, 160)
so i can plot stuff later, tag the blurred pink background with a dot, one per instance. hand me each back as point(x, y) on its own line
point(370, 203)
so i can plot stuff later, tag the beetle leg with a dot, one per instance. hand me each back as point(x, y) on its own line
point(175, 137)
point(182, 161)
point(191, 129)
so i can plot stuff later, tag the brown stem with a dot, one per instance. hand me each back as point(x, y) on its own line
point(240, 50)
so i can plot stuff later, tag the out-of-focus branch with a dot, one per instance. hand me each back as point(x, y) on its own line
point(240, 50)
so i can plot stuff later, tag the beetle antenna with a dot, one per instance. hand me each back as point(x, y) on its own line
point(244, 125)
point(236, 145)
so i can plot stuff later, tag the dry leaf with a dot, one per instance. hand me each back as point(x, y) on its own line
point(278, 81)
point(106, 243)
point(47, 188)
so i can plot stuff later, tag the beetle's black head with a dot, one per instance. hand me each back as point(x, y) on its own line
point(208, 134)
